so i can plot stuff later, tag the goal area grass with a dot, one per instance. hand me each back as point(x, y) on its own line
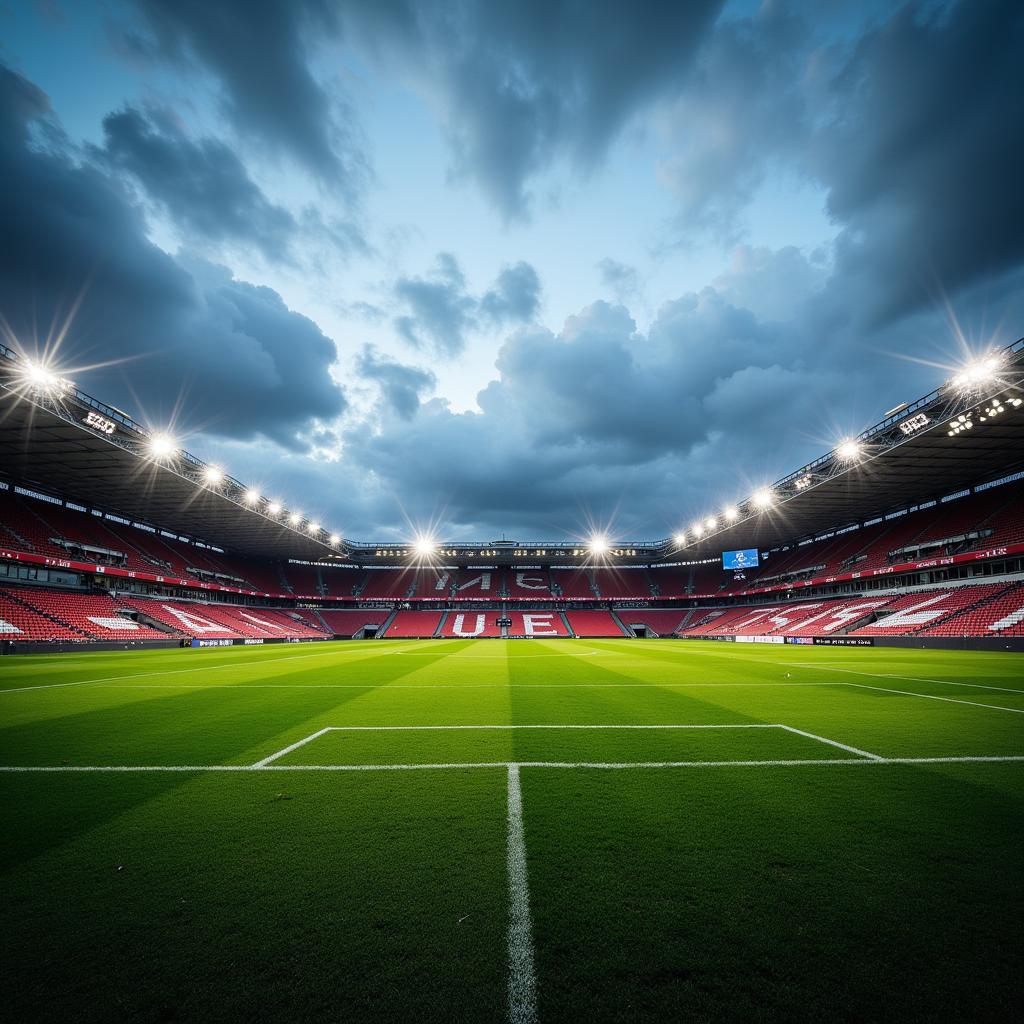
point(500, 830)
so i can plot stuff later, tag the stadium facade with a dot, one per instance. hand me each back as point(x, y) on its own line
point(910, 533)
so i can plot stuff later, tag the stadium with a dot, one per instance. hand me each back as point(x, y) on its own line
point(456, 743)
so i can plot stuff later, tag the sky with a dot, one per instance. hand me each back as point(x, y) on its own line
point(519, 270)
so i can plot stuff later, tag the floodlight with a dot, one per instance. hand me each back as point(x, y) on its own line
point(251, 496)
point(680, 539)
point(313, 527)
point(213, 475)
point(978, 372)
point(335, 539)
point(295, 518)
point(424, 546)
point(849, 450)
point(162, 446)
point(598, 544)
point(274, 508)
point(40, 377)
point(731, 513)
point(697, 530)
point(711, 522)
point(764, 498)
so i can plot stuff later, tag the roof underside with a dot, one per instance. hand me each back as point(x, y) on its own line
point(40, 449)
point(928, 466)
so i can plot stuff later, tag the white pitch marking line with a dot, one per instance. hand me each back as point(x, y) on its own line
point(413, 728)
point(446, 728)
point(909, 679)
point(70, 769)
point(832, 743)
point(931, 696)
point(288, 750)
point(522, 981)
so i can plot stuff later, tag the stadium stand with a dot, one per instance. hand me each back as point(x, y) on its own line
point(186, 618)
point(471, 623)
point(573, 583)
point(669, 582)
point(95, 615)
point(396, 584)
point(349, 622)
point(622, 584)
point(1001, 615)
point(341, 582)
point(302, 579)
point(912, 613)
point(413, 624)
point(537, 623)
point(657, 622)
point(18, 621)
point(528, 583)
point(593, 624)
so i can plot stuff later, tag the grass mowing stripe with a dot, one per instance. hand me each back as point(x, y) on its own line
point(173, 672)
point(522, 980)
point(621, 765)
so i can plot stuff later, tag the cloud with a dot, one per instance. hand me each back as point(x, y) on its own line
point(920, 151)
point(439, 310)
point(402, 386)
point(620, 278)
point(521, 86)
point(180, 330)
point(515, 296)
point(200, 184)
point(742, 109)
point(259, 51)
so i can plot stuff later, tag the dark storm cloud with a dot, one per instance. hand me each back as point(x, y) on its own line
point(402, 386)
point(239, 360)
point(259, 51)
point(200, 184)
point(524, 85)
point(743, 108)
point(439, 309)
point(922, 152)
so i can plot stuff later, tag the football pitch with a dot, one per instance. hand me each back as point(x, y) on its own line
point(492, 830)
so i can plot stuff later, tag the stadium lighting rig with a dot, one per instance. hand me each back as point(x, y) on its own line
point(251, 496)
point(424, 547)
point(978, 373)
point(680, 539)
point(764, 498)
point(274, 508)
point(162, 446)
point(598, 544)
point(730, 514)
point(294, 519)
point(850, 450)
point(213, 475)
point(39, 377)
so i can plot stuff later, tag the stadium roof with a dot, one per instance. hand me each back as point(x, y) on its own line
point(62, 441)
point(57, 438)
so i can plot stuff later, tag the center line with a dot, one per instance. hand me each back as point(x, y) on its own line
point(522, 981)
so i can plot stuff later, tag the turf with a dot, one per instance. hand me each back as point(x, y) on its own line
point(733, 884)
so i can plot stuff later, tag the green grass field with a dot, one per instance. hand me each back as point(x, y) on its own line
point(836, 834)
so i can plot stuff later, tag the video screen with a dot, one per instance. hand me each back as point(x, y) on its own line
point(745, 559)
